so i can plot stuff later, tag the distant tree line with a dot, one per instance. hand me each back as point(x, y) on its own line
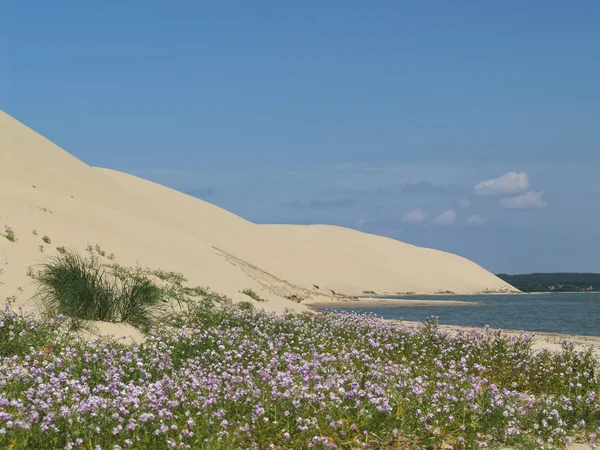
point(554, 282)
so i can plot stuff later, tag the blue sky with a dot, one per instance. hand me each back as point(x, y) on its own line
point(380, 116)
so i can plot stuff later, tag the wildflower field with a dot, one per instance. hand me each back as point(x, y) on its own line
point(228, 377)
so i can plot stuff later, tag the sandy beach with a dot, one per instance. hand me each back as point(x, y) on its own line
point(541, 339)
point(368, 302)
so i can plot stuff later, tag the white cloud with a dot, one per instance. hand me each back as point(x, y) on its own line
point(528, 200)
point(475, 220)
point(464, 203)
point(445, 218)
point(415, 216)
point(509, 183)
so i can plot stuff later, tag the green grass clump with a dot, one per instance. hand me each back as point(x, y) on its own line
point(250, 293)
point(9, 234)
point(245, 305)
point(84, 289)
point(46, 239)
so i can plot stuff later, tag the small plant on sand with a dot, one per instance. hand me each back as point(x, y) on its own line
point(41, 247)
point(83, 289)
point(316, 286)
point(35, 233)
point(171, 283)
point(47, 239)
point(250, 293)
point(9, 234)
point(245, 305)
point(61, 250)
point(99, 250)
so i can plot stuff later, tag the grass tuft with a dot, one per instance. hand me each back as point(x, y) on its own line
point(250, 293)
point(9, 234)
point(84, 289)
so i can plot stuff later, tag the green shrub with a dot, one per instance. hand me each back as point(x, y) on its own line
point(250, 293)
point(139, 302)
point(84, 289)
point(245, 305)
point(47, 239)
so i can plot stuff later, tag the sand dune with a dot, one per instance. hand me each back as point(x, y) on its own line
point(43, 187)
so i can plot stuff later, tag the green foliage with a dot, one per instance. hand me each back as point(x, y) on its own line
point(9, 234)
point(83, 289)
point(171, 283)
point(139, 302)
point(47, 239)
point(553, 282)
point(245, 305)
point(41, 247)
point(352, 381)
point(61, 250)
point(250, 293)
point(16, 335)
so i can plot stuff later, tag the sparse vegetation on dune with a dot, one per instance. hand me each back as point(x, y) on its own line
point(84, 289)
point(87, 289)
point(9, 234)
point(223, 376)
point(250, 293)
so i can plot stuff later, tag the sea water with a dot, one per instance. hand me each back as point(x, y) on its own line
point(568, 313)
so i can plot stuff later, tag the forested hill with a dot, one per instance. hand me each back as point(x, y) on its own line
point(554, 282)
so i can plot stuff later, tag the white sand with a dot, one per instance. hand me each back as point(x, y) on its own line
point(43, 187)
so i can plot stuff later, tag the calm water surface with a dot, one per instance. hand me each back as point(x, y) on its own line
point(556, 313)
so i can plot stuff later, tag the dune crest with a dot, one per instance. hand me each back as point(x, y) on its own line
point(46, 189)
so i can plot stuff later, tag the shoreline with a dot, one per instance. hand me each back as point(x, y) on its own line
point(382, 302)
point(541, 339)
point(476, 294)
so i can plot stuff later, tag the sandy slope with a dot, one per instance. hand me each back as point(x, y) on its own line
point(42, 187)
